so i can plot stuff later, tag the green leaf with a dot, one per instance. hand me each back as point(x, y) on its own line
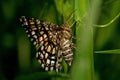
point(115, 51)
point(109, 23)
point(83, 64)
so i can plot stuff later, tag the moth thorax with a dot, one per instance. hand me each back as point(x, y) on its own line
point(67, 34)
point(66, 31)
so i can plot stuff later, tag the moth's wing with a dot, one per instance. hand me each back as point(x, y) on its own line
point(43, 35)
point(49, 57)
point(32, 27)
point(36, 30)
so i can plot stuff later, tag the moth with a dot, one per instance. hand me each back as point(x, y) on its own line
point(53, 42)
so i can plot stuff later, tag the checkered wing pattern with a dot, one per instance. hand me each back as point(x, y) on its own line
point(53, 42)
point(44, 36)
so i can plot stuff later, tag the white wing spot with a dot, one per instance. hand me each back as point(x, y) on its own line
point(57, 70)
point(42, 65)
point(39, 61)
point(42, 48)
point(46, 68)
point(44, 36)
point(34, 42)
point(33, 32)
point(53, 57)
point(52, 62)
point(41, 55)
point(35, 36)
point(46, 55)
point(51, 68)
point(43, 52)
point(48, 61)
point(26, 31)
point(28, 35)
point(26, 23)
point(40, 39)
point(37, 55)
point(31, 39)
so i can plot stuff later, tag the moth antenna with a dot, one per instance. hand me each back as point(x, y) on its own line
point(70, 16)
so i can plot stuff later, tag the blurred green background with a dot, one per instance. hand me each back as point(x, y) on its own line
point(17, 54)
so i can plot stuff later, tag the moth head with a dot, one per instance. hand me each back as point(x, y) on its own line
point(66, 31)
point(66, 27)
